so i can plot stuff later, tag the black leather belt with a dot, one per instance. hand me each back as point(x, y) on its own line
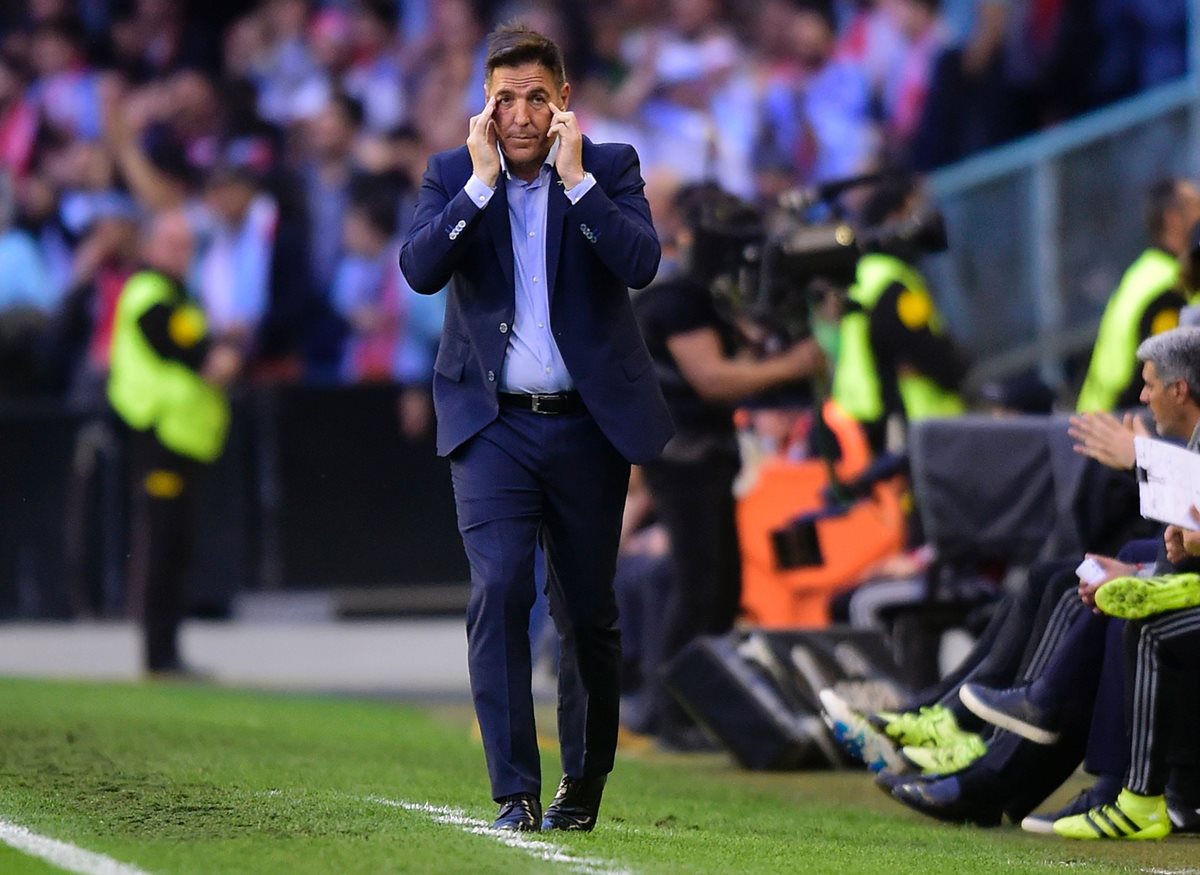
point(551, 405)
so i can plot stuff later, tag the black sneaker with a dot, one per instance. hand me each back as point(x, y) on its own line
point(1011, 709)
point(887, 781)
point(521, 812)
point(944, 800)
point(1184, 819)
point(1085, 801)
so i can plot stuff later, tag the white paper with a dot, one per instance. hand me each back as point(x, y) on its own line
point(1169, 482)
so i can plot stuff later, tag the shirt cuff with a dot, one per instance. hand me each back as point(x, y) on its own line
point(479, 191)
point(574, 194)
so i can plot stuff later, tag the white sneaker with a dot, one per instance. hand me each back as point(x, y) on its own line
point(858, 737)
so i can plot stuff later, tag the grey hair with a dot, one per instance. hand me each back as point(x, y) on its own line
point(1176, 356)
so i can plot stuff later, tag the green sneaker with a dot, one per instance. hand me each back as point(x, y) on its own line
point(947, 759)
point(1132, 598)
point(1130, 817)
point(933, 726)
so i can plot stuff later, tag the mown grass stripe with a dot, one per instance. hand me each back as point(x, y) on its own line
point(62, 854)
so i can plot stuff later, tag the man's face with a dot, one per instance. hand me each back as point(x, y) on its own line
point(169, 244)
point(332, 132)
point(523, 115)
point(1167, 402)
point(1189, 206)
point(230, 200)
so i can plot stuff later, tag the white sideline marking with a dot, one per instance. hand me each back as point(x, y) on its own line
point(61, 854)
point(537, 848)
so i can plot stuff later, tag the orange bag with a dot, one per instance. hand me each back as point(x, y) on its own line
point(869, 531)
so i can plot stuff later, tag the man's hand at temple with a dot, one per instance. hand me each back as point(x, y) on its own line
point(1108, 440)
point(569, 162)
point(481, 143)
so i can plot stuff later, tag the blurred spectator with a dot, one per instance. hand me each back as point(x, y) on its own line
point(445, 70)
point(24, 303)
point(924, 38)
point(816, 121)
point(154, 38)
point(23, 282)
point(252, 273)
point(100, 97)
point(1143, 43)
point(969, 106)
point(330, 50)
point(394, 332)
point(326, 176)
point(66, 90)
point(374, 75)
point(694, 92)
point(399, 156)
point(872, 40)
point(287, 78)
point(18, 120)
point(38, 199)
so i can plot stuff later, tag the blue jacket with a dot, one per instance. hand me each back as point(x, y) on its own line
point(595, 250)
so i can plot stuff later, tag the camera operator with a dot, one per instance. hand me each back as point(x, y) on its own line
point(698, 353)
point(894, 356)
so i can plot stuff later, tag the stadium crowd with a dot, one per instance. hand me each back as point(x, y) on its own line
point(294, 133)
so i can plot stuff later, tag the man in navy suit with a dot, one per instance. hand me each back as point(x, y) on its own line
point(544, 394)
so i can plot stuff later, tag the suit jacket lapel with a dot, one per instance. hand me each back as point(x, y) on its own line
point(556, 213)
point(496, 216)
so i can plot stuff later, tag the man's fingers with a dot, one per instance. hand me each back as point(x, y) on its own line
point(1090, 451)
point(485, 116)
point(560, 115)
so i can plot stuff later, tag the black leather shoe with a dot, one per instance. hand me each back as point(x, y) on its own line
point(521, 812)
point(941, 801)
point(1184, 818)
point(576, 805)
point(888, 781)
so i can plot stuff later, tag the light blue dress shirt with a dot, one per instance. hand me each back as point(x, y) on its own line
point(532, 361)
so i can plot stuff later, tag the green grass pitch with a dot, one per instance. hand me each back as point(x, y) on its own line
point(177, 779)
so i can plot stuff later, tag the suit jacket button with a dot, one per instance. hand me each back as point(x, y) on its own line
point(504, 328)
point(491, 376)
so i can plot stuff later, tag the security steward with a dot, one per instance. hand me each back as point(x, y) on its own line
point(167, 384)
point(894, 357)
point(1147, 301)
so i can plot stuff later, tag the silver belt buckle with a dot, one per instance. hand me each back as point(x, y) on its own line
point(535, 404)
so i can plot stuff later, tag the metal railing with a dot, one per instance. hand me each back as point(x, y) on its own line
point(1042, 229)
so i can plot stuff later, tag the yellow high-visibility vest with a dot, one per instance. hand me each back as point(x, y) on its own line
point(856, 383)
point(188, 414)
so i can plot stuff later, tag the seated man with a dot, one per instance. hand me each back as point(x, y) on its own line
point(1176, 409)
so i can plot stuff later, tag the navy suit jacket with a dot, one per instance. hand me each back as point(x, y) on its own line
point(595, 250)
